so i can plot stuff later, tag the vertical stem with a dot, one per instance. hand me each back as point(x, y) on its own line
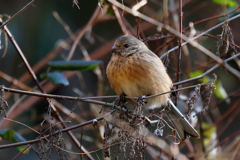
point(138, 25)
point(179, 45)
point(165, 12)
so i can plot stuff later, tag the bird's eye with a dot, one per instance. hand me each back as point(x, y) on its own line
point(126, 45)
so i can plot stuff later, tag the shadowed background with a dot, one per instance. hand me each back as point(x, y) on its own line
point(38, 33)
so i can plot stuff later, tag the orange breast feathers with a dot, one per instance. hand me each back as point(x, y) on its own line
point(139, 74)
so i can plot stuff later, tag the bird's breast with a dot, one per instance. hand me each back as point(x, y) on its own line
point(138, 75)
point(124, 74)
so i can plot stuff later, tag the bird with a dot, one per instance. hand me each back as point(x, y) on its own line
point(135, 71)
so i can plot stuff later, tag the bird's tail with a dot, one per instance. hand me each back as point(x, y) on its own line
point(183, 128)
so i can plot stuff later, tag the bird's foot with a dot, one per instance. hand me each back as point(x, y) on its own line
point(122, 99)
point(141, 100)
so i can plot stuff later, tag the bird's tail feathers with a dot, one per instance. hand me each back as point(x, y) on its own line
point(183, 128)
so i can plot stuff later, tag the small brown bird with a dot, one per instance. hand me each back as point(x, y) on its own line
point(134, 71)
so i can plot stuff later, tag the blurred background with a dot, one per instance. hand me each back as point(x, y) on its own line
point(47, 30)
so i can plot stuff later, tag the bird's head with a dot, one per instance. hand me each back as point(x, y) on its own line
point(127, 45)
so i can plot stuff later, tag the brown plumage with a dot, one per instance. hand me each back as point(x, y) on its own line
point(134, 71)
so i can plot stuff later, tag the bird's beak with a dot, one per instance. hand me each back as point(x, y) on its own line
point(114, 49)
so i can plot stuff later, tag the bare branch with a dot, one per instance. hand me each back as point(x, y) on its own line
point(190, 41)
point(16, 14)
point(62, 130)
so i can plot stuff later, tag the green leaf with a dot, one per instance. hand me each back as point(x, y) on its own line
point(195, 73)
point(198, 73)
point(220, 92)
point(56, 78)
point(74, 65)
point(10, 135)
point(230, 3)
point(229, 9)
point(7, 134)
point(209, 133)
point(110, 11)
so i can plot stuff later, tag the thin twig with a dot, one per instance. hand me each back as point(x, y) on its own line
point(209, 35)
point(86, 99)
point(16, 14)
point(62, 130)
point(43, 95)
point(94, 17)
point(196, 23)
point(22, 57)
point(207, 72)
point(40, 134)
point(188, 40)
point(120, 20)
point(175, 90)
point(14, 81)
point(139, 5)
point(55, 112)
point(24, 103)
point(211, 18)
point(165, 11)
point(236, 153)
point(215, 145)
point(200, 35)
point(164, 44)
point(179, 47)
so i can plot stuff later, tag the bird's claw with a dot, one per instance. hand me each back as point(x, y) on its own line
point(141, 100)
point(122, 99)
